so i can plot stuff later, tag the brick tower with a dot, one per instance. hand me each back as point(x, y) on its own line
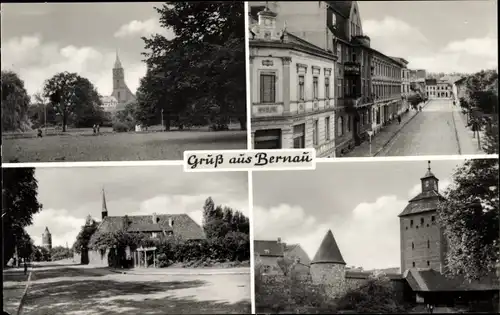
point(120, 89)
point(423, 244)
point(328, 266)
point(47, 239)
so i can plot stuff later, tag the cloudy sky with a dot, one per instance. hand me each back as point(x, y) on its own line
point(358, 201)
point(41, 39)
point(68, 195)
point(440, 36)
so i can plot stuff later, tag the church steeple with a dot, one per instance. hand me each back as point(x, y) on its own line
point(429, 181)
point(118, 64)
point(104, 210)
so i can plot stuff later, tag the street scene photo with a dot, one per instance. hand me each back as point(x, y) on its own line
point(125, 240)
point(140, 81)
point(374, 78)
point(378, 237)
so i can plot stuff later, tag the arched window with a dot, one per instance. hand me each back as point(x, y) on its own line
point(413, 264)
point(340, 126)
point(428, 244)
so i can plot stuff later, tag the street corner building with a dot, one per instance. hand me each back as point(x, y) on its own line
point(154, 225)
point(315, 81)
point(421, 279)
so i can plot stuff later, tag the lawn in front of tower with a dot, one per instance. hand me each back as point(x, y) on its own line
point(82, 145)
point(90, 290)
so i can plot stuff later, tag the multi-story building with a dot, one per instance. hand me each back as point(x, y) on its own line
point(458, 90)
point(417, 82)
point(387, 89)
point(292, 85)
point(405, 85)
point(438, 89)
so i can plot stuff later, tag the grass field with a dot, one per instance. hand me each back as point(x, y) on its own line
point(81, 145)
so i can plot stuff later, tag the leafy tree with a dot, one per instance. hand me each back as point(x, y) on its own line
point(40, 253)
point(24, 244)
point(40, 113)
point(60, 252)
point(74, 98)
point(470, 217)
point(209, 41)
point(19, 204)
point(15, 103)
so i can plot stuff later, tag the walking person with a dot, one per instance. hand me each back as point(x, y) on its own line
point(98, 128)
point(431, 308)
point(399, 119)
point(94, 128)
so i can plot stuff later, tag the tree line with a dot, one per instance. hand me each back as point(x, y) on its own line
point(195, 78)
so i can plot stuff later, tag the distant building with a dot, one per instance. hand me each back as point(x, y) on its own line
point(109, 103)
point(438, 89)
point(47, 239)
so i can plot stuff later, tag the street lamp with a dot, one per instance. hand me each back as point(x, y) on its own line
point(370, 134)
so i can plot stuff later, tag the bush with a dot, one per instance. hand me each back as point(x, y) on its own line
point(119, 126)
point(375, 296)
point(289, 293)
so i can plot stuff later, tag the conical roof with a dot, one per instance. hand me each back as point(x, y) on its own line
point(104, 207)
point(47, 230)
point(118, 64)
point(328, 251)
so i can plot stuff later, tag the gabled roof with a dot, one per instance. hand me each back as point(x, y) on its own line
point(430, 81)
point(299, 252)
point(328, 251)
point(183, 225)
point(268, 248)
point(430, 280)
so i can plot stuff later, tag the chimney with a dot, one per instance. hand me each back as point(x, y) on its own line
point(154, 218)
point(171, 222)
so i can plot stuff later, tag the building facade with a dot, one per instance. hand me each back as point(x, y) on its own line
point(438, 89)
point(292, 89)
point(121, 92)
point(109, 103)
point(47, 239)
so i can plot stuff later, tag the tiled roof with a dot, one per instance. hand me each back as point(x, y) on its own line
point(268, 248)
point(423, 202)
point(298, 252)
point(183, 225)
point(328, 251)
point(433, 281)
point(341, 7)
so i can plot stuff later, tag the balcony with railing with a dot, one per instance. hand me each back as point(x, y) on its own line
point(352, 69)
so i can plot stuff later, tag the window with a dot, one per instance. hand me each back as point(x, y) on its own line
point(301, 88)
point(327, 128)
point(411, 223)
point(267, 88)
point(267, 139)
point(428, 263)
point(433, 218)
point(412, 245)
point(339, 88)
point(315, 88)
point(422, 221)
point(327, 88)
point(428, 244)
point(299, 136)
point(340, 126)
point(119, 98)
point(413, 264)
point(315, 132)
point(339, 53)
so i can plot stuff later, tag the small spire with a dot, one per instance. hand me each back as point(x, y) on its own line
point(104, 206)
point(118, 64)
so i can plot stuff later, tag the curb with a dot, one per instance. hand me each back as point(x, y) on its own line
point(180, 274)
point(21, 303)
point(454, 117)
point(397, 132)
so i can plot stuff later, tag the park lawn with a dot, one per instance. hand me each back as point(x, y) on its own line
point(120, 146)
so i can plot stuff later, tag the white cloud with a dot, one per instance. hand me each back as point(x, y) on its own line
point(62, 225)
point(397, 38)
point(36, 61)
point(142, 28)
point(368, 237)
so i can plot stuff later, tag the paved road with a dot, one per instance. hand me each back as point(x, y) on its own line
point(76, 290)
point(434, 131)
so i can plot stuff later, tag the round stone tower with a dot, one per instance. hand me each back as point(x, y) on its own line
point(328, 266)
point(47, 239)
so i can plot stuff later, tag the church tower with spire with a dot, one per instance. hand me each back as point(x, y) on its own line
point(423, 245)
point(328, 266)
point(121, 92)
point(104, 210)
point(47, 239)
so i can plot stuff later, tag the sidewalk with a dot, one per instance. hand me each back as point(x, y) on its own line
point(184, 271)
point(380, 140)
point(467, 141)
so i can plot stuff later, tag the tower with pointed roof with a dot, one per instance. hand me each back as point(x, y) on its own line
point(423, 245)
point(328, 266)
point(121, 92)
point(47, 239)
point(104, 211)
